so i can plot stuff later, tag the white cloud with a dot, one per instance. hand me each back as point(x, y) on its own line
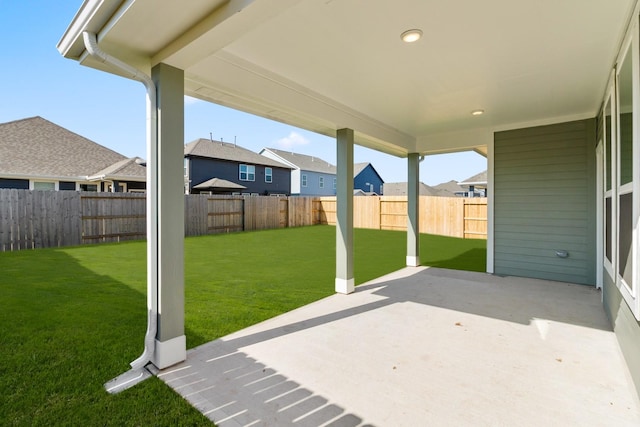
point(188, 100)
point(294, 139)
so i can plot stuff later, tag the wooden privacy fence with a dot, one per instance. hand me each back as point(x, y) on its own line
point(40, 219)
point(447, 216)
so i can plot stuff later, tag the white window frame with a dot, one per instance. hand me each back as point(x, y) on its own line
point(249, 172)
point(321, 181)
point(631, 294)
point(268, 175)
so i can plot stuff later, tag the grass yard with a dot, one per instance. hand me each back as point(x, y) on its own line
point(73, 318)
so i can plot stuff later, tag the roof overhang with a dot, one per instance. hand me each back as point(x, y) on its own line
point(328, 65)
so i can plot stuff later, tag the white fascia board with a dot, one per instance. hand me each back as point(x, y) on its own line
point(273, 156)
point(92, 16)
point(42, 177)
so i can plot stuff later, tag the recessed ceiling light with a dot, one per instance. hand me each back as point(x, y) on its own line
point(411, 36)
point(477, 112)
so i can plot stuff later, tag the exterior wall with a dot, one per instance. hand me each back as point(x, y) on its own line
point(544, 181)
point(368, 175)
point(625, 325)
point(20, 184)
point(313, 184)
point(295, 181)
point(203, 169)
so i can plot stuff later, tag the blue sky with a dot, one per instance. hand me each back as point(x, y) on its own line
point(110, 110)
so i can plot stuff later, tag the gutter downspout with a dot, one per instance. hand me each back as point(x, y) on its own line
point(138, 372)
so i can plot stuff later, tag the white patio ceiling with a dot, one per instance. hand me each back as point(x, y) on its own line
point(329, 64)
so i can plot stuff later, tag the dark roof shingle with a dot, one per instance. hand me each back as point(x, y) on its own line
point(38, 147)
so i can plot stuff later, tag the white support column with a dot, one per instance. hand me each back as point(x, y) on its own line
point(168, 194)
point(413, 208)
point(344, 217)
point(490, 206)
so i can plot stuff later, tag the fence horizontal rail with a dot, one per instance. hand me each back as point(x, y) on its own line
point(40, 219)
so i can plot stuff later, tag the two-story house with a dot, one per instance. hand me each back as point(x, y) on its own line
point(310, 176)
point(367, 179)
point(217, 167)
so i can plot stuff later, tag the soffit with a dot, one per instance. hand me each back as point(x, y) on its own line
point(322, 65)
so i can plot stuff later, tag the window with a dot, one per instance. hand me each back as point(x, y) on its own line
point(88, 187)
point(620, 177)
point(321, 182)
point(39, 185)
point(247, 173)
point(268, 175)
point(186, 167)
point(304, 180)
point(334, 183)
point(624, 173)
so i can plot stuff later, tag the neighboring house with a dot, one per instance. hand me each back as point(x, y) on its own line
point(310, 176)
point(451, 188)
point(367, 179)
point(36, 154)
point(400, 189)
point(217, 167)
point(476, 186)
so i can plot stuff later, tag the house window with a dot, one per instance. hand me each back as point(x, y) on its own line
point(41, 185)
point(321, 182)
point(247, 173)
point(624, 175)
point(88, 187)
point(334, 183)
point(620, 182)
point(268, 175)
point(304, 180)
point(186, 166)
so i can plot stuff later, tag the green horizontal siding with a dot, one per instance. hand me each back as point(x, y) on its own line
point(544, 199)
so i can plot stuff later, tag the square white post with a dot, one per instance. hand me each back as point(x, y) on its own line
point(413, 208)
point(167, 196)
point(344, 216)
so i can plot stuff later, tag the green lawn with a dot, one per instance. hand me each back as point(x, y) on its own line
point(73, 318)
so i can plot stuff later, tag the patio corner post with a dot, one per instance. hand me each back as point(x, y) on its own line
point(170, 339)
point(413, 210)
point(344, 216)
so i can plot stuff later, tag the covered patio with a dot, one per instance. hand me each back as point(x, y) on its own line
point(548, 91)
point(421, 346)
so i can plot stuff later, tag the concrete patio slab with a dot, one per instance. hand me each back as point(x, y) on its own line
point(421, 346)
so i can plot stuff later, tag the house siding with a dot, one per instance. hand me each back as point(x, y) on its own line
point(313, 184)
point(544, 180)
point(203, 169)
point(625, 325)
point(368, 175)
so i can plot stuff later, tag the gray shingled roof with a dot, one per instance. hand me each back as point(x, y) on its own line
point(217, 183)
point(127, 168)
point(225, 151)
point(359, 167)
point(38, 147)
point(450, 186)
point(478, 179)
point(400, 189)
point(305, 162)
